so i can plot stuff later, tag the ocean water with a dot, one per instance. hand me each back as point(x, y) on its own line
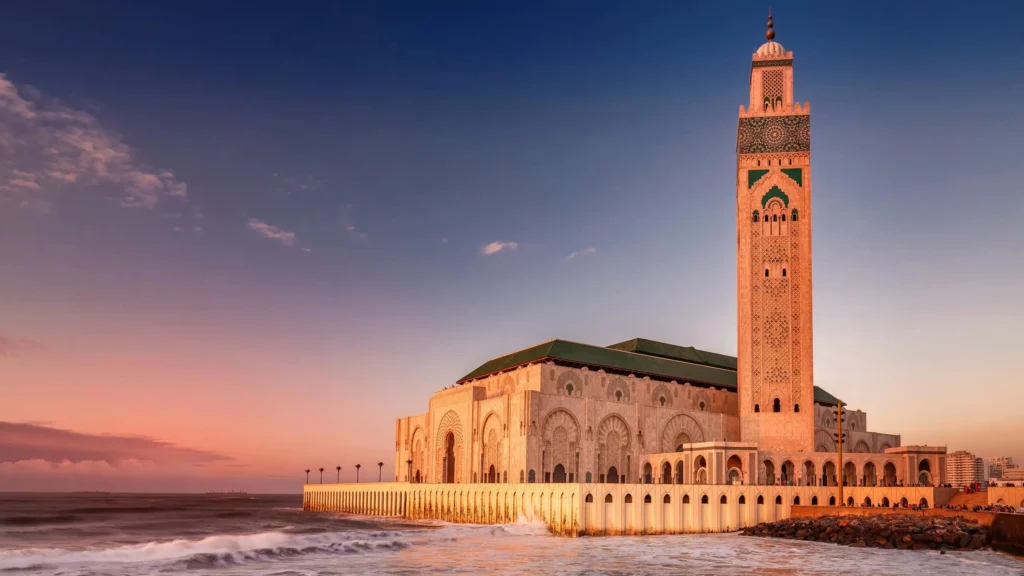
point(108, 534)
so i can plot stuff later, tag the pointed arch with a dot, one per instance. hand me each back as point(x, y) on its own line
point(561, 438)
point(613, 442)
point(450, 426)
point(681, 427)
point(823, 441)
point(492, 434)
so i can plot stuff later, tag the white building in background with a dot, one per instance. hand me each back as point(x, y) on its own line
point(995, 465)
point(963, 468)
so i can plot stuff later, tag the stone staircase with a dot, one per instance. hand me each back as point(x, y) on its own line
point(969, 500)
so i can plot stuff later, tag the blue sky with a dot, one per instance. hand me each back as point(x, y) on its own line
point(325, 178)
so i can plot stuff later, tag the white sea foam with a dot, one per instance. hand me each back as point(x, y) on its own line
point(221, 549)
point(524, 547)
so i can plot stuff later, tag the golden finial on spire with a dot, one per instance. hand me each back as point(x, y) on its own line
point(770, 34)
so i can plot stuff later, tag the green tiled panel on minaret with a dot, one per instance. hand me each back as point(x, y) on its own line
point(775, 192)
point(797, 174)
point(754, 176)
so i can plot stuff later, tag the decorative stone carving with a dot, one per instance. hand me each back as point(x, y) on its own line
point(680, 429)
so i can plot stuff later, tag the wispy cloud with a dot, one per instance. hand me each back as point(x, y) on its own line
point(272, 232)
point(495, 247)
point(24, 442)
point(348, 220)
point(46, 146)
point(590, 250)
point(11, 347)
point(292, 185)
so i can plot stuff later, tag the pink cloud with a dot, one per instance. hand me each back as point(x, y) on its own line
point(272, 232)
point(23, 442)
point(10, 347)
point(495, 247)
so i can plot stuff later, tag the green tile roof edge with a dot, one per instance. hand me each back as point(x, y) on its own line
point(640, 363)
point(675, 352)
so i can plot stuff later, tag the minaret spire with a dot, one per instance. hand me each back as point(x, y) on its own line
point(770, 34)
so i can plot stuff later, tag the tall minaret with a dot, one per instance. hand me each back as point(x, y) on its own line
point(773, 225)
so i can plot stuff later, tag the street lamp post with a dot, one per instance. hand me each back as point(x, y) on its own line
point(338, 481)
point(307, 475)
point(321, 475)
point(380, 471)
point(358, 466)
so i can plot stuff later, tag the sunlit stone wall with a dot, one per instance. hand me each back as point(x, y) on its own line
point(600, 509)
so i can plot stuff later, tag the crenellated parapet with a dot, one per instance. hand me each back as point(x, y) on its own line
point(794, 109)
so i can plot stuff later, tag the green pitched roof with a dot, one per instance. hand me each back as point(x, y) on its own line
point(673, 352)
point(638, 356)
point(609, 359)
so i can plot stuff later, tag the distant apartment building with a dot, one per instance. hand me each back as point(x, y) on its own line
point(996, 465)
point(963, 468)
point(1013, 474)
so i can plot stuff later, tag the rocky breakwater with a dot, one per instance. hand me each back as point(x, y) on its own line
point(903, 532)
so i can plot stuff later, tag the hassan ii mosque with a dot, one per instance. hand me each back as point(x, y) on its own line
point(641, 411)
point(572, 433)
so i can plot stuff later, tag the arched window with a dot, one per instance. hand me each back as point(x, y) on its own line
point(743, 499)
point(588, 477)
point(796, 501)
point(778, 499)
point(765, 272)
point(568, 389)
point(760, 499)
point(608, 499)
point(686, 499)
point(618, 395)
point(723, 500)
point(775, 217)
point(647, 499)
point(559, 474)
point(794, 215)
point(832, 501)
point(702, 406)
point(757, 407)
point(504, 477)
point(757, 216)
point(704, 499)
point(667, 499)
point(522, 477)
point(533, 476)
point(661, 400)
point(590, 498)
point(796, 407)
point(783, 217)
point(783, 272)
point(814, 500)
point(629, 499)
point(776, 405)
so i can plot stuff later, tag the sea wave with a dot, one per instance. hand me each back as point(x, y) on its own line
point(210, 551)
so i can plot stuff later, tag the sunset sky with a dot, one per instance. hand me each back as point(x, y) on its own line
point(238, 240)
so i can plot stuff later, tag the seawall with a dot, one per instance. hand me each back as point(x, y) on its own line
point(599, 509)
